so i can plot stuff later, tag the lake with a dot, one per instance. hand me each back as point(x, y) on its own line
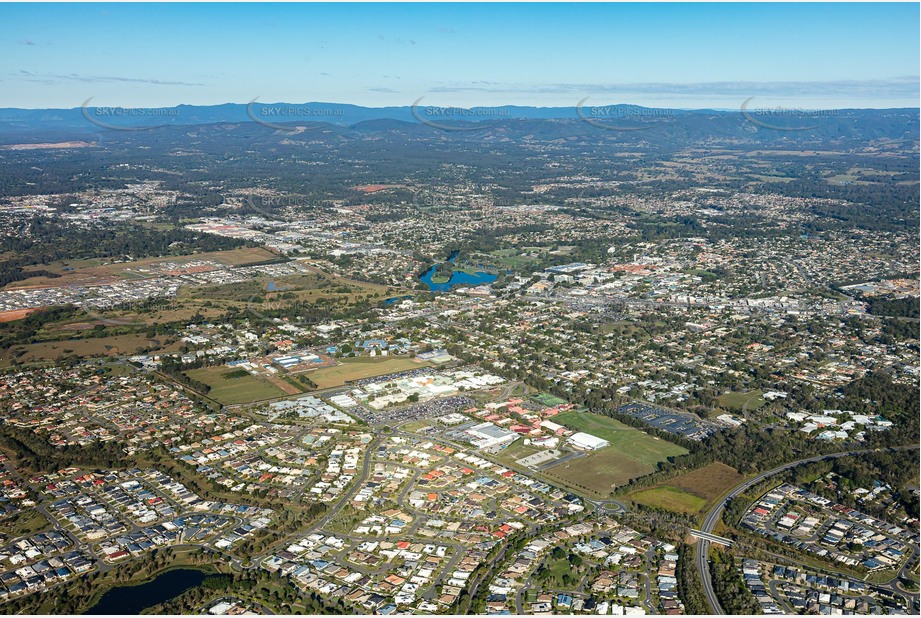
point(457, 277)
point(133, 599)
point(396, 299)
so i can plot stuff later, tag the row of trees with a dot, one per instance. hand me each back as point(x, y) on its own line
point(175, 369)
point(730, 589)
point(24, 331)
point(690, 589)
point(891, 306)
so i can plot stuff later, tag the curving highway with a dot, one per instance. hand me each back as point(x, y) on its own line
point(703, 546)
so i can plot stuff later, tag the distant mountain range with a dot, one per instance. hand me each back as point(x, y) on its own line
point(630, 123)
point(334, 113)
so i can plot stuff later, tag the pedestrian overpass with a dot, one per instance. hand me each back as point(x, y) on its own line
point(711, 537)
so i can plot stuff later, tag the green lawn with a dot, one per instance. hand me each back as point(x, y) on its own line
point(23, 523)
point(623, 328)
point(632, 453)
point(235, 390)
point(508, 258)
point(362, 367)
point(627, 440)
point(670, 499)
point(597, 474)
point(555, 570)
point(742, 402)
point(548, 399)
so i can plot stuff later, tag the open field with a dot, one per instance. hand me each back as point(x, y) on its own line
point(508, 258)
point(362, 367)
point(709, 482)
point(169, 310)
point(246, 389)
point(323, 269)
point(259, 296)
point(16, 314)
point(412, 426)
point(598, 473)
point(742, 402)
point(693, 492)
point(517, 450)
point(96, 271)
point(117, 345)
point(623, 328)
point(23, 523)
point(252, 297)
point(670, 499)
point(629, 441)
point(632, 454)
point(212, 301)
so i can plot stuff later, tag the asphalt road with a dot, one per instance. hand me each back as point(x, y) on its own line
point(356, 485)
point(703, 547)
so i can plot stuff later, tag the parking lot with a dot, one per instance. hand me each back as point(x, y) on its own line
point(683, 425)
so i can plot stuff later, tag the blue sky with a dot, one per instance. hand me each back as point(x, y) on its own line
point(814, 56)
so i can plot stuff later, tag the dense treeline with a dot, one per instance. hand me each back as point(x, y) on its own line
point(35, 453)
point(891, 306)
point(489, 240)
point(894, 206)
point(752, 449)
point(322, 309)
point(740, 225)
point(729, 586)
point(690, 590)
point(899, 330)
point(24, 330)
point(45, 240)
point(175, 369)
point(897, 469)
point(876, 393)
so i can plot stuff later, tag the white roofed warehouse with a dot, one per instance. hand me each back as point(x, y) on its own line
point(587, 442)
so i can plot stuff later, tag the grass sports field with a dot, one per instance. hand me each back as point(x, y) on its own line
point(632, 453)
point(548, 399)
point(235, 390)
point(742, 402)
point(362, 367)
point(691, 493)
point(636, 444)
